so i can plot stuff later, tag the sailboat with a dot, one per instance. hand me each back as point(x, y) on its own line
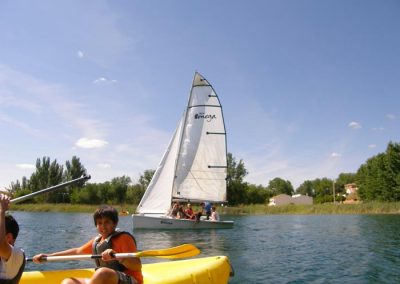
point(193, 168)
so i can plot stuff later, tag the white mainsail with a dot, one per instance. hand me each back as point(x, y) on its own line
point(194, 166)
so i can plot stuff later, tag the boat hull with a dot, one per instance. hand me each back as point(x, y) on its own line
point(162, 222)
point(213, 270)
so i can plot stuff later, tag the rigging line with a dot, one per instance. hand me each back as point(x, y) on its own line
point(195, 179)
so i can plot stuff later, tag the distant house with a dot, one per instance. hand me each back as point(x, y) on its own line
point(302, 199)
point(281, 199)
point(350, 188)
point(351, 193)
point(284, 199)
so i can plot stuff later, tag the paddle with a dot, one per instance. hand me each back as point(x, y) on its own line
point(55, 187)
point(182, 251)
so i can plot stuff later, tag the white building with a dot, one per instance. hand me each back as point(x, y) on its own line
point(284, 199)
point(350, 188)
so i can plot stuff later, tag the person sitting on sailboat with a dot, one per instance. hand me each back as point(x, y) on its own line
point(189, 213)
point(214, 214)
point(203, 211)
point(174, 210)
point(181, 213)
point(207, 209)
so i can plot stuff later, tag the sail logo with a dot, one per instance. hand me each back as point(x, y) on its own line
point(207, 117)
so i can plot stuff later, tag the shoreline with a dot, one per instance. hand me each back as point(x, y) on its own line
point(256, 209)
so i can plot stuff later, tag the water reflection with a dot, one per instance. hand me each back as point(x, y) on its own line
point(210, 242)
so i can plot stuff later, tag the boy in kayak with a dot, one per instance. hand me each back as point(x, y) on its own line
point(109, 241)
point(12, 260)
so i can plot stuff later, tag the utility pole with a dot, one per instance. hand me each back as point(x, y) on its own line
point(334, 195)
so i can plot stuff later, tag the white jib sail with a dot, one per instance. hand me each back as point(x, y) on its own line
point(157, 198)
point(201, 168)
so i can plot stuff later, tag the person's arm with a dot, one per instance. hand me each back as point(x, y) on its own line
point(73, 251)
point(131, 263)
point(5, 247)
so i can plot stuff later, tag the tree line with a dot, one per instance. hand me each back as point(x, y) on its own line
point(377, 179)
point(120, 190)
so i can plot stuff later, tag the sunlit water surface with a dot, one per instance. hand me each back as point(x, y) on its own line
point(262, 249)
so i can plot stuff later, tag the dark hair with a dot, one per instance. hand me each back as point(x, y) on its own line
point(12, 226)
point(107, 212)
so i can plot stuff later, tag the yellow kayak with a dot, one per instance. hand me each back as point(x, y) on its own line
point(216, 269)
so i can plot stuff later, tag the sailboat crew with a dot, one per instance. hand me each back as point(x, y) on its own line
point(12, 260)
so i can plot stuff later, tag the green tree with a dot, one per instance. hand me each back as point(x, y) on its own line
point(256, 194)
point(306, 188)
point(323, 188)
point(119, 187)
point(135, 193)
point(87, 195)
point(145, 178)
point(236, 170)
point(47, 174)
point(237, 193)
point(379, 177)
point(280, 186)
point(342, 180)
point(392, 167)
point(236, 188)
point(18, 189)
point(74, 169)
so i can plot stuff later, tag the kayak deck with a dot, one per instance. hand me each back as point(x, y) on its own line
point(215, 270)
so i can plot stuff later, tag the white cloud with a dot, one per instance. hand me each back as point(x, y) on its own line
point(80, 54)
point(90, 143)
point(391, 116)
point(104, 166)
point(355, 125)
point(371, 146)
point(19, 124)
point(26, 166)
point(104, 81)
point(378, 129)
point(335, 155)
point(32, 95)
point(8, 99)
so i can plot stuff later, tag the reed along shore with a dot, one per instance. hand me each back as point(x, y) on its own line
point(256, 209)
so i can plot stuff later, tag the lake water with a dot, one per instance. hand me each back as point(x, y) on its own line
point(262, 249)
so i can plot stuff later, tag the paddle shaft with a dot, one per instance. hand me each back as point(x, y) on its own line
point(83, 257)
point(185, 250)
point(52, 188)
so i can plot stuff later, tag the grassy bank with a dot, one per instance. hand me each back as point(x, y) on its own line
point(61, 207)
point(362, 208)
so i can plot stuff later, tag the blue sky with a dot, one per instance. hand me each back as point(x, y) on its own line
point(309, 89)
